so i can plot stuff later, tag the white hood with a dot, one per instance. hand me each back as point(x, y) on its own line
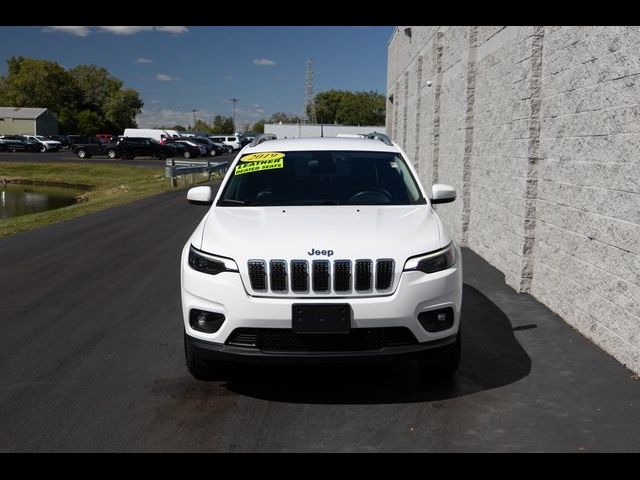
point(350, 232)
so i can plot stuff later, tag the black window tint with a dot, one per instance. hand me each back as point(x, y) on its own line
point(326, 178)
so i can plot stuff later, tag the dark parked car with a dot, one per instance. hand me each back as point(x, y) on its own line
point(222, 147)
point(191, 148)
point(18, 143)
point(131, 147)
point(86, 147)
point(213, 148)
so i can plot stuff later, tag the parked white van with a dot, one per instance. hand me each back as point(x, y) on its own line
point(155, 133)
point(232, 140)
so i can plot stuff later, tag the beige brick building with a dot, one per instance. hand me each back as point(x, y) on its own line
point(538, 129)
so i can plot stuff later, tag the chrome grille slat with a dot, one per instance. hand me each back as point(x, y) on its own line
point(361, 276)
point(299, 276)
point(258, 275)
point(384, 273)
point(364, 272)
point(342, 276)
point(320, 275)
point(278, 275)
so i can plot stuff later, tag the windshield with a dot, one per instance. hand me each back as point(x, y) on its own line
point(321, 178)
point(40, 137)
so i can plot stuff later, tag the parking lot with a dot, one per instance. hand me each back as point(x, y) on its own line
point(68, 157)
point(91, 359)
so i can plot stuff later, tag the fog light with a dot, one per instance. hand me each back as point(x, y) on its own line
point(207, 322)
point(436, 320)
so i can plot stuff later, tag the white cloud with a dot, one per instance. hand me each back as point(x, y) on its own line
point(228, 77)
point(166, 78)
point(126, 30)
point(155, 101)
point(116, 30)
point(77, 31)
point(143, 60)
point(264, 61)
point(173, 30)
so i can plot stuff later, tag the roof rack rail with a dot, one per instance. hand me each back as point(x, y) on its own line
point(263, 138)
point(379, 136)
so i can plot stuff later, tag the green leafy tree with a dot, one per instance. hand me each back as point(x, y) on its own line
point(348, 108)
point(70, 95)
point(284, 118)
point(41, 83)
point(178, 128)
point(121, 108)
point(258, 127)
point(96, 84)
point(89, 122)
point(202, 126)
point(223, 125)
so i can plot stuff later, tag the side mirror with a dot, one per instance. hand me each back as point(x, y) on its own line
point(441, 193)
point(200, 196)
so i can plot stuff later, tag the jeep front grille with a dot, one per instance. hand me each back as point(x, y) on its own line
point(320, 277)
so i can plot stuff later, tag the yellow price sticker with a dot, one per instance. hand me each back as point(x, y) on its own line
point(259, 165)
point(253, 157)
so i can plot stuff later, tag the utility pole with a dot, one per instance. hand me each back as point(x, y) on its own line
point(194, 118)
point(234, 100)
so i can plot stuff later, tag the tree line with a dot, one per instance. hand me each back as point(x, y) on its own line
point(85, 99)
point(336, 107)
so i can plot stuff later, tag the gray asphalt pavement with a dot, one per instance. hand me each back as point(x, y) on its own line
point(65, 156)
point(91, 359)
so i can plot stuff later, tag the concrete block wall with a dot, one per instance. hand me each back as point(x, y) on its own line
point(538, 129)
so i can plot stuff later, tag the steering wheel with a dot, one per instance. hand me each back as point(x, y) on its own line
point(377, 192)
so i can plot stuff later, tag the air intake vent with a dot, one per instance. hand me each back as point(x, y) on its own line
point(258, 275)
point(320, 276)
point(278, 275)
point(384, 274)
point(299, 276)
point(364, 269)
point(342, 275)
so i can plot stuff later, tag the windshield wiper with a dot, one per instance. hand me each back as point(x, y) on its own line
point(229, 201)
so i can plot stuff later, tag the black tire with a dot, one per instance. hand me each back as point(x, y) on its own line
point(186, 154)
point(111, 153)
point(443, 364)
point(213, 152)
point(43, 149)
point(81, 153)
point(197, 366)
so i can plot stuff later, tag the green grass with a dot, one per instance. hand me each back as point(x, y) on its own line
point(108, 185)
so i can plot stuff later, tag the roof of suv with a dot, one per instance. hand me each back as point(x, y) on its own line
point(324, 143)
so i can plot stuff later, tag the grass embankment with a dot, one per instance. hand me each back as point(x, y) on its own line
point(106, 186)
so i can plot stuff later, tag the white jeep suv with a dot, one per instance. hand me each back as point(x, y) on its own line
point(321, 249)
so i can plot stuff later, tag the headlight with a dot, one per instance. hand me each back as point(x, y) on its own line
point(205, 263)
point(434, 261)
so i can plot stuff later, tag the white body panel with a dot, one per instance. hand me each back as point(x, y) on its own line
point(338, 232)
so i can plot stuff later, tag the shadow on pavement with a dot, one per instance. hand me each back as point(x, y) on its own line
point(491, 358)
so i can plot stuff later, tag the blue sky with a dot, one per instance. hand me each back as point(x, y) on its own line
point(178, 69)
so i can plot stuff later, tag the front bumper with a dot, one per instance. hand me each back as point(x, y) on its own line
point(225, 293)
point(232, 354)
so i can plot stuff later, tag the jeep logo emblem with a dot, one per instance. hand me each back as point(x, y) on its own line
point(327, 253)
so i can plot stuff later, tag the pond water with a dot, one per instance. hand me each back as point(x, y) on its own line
point(21, 199)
